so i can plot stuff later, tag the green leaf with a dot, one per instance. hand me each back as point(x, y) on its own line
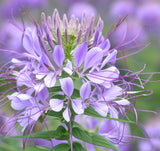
point(66, 147)
point(78, 82)
point(57, 96)
point(102, 141)
point(61, 147)
point(60, 134)
point(33, 148)
point(6, 147)
point(91, 112)
point(55, 114)
point(8, 144)
point(75, 94)
point(55, 89)
point(92, 138)
point(80, 134)
point(78, 147)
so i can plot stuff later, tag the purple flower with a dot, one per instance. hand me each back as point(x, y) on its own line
point(56, 57)
point(148, 14)
point(7, 126)
point(129, 31)
point(88, 122)
point(104, 103)
point(152, 129)
point(31, 109)
point(76, 10)
point(10, 38)
point(48, 143)
point(14, 6)
point(121, 8)
point(115, 131)
point(72, 1)
point(68, 66)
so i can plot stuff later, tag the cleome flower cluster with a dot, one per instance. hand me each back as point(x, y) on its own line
point(68, 66)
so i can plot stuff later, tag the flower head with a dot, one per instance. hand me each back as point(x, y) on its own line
point(67, 68)
point(62, 54)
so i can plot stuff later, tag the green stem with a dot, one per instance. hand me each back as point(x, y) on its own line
point(70, 125)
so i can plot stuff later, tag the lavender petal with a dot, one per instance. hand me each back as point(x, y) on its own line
point(101, 108)
point(31, 43)
point(56, 104)
point(85, 90)
point(19, 101)
point(123, 102)
point(45, 62)
point(42, 92)
point(80, 53)
point(112, 93)
point(34, 113)
point(68, 68)
point(105, 45)
point(108, 75)
point(67, 86)
point(110, 58)
point(24, 79)
point(93, 58)
point(66, 114)
point(58, 55)
point(50, 80)
point(77, 106)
